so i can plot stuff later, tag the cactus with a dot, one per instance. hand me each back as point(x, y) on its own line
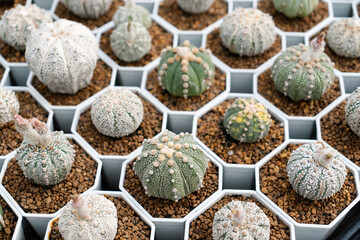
point(2, 222)
point(195, 6)
point(295, 8)
point(45, 157)
point(130, 41)
point(89, 9)
point(343, 37)
point(117, 112)
point(132, 13)
point(17, 24)
point(352, 111)
point(316, 172)
point(9, 107)
point(247, 31)
point(171, 166)
point(247, 120)
point(301, 72)
point(241, 220)
point(185, 70)
point(62, 55)
point(88, 216)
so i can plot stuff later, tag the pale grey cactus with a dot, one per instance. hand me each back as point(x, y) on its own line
point(117, 112)
point(130, 41)
point(132, 13)
point(242, 221)
point(90, 9)
point(62, 55)
point(88, 216)
point(352, 111)
point(248, 31)
point(9, 106)
point(2, 222)
point(17, 24)
point(295, 8)
point(44, 157)
point(195, 6)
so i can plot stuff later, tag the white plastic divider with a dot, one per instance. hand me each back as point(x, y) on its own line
point(5, 80)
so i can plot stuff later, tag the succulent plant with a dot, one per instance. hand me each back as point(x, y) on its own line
point(17, 24)
point(301, 72)
point(247, 120)
point(2, 222)
point(247, 31)
point(352, 111)
point(343, 37)
point(132, 13)
point(315, 171)
point(185, 70)
point(117, 112)
point(45, 157)
point(195, 6)
point(171, 166)
point(241, 220)
point(130, 41)
point(90, 9)
point(88, 216)
point(295, 8)
point(62, 55)
point(9, 106)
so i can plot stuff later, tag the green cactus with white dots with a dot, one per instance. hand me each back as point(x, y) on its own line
point(295, 8)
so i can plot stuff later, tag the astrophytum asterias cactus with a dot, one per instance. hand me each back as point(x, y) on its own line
point(295, 8)
point(352, 111)
point(195, 6)
point(9, 106)
point(132, 13)
point(171, 166)
point(248, 31)
point(88, 8)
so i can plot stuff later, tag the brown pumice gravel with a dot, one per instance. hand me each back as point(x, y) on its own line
point(149, 127)
point(10, 139)
point(274, 183)
point(266, 88)
point(295, 24)
point(235, 60)
point(11, 54)
point(4, 7)
point(2, 71)
point(10, 220)
point(201, 227)
point(213, 134)
point(100, 80)
point(37, 199)
point(164, 208)
point(171, 12)
point(130, 225)
point(160, 39)
point(191, 103)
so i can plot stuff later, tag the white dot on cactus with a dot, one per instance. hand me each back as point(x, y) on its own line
point(185, 77)
point(311, 86)
point(186, 145)
point(147, 180)
point(155, 164)
point(178, 154)
point(185, 85)
point(289, 77)
point(153, 151)
point(151, 172)
point(171, 60)
point(145, 154)
point(202, 49)
point(171, 171)
point(294, 70)
point(174, 190)
point(160, 146)
point(170, 144)
point(165, 139)
point(287, 58)
point(293, 58)
point(312, 78)
point(185, 159)
point(194, 146)
point(195, 50)
point(172, 180)
point(185, 91)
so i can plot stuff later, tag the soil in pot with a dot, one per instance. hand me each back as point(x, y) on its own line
point(171, 12)
point(130, 225)
point(10, 220)
point(191, 103)
point(10, 139)
point(295, 24)
point(11, 54)
point(266, 88)
point(101, 79)
point(274, 183)
point(164, 208)
point(2, 71)
point(11, 4)
point(213, 134)
point(234, 60)
point(201, 227)
point(37, 199)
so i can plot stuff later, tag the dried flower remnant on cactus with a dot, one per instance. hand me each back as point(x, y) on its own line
point(195, 6)
point(9, 106)
point(90, 9)
point(132, 13)
point(352, 111)
point(295, 8)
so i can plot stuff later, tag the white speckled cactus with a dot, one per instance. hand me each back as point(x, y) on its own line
point(17, 24)
point(315, 171)
point(130, 41)
point(2, 222)
point(242, 221)
point(295, 8)
point(171, 166)
point(132, 13)
point(117, 112)
point(195, 6)
point(343, 37)
point(9, 106)
point(248, 31)
point(62, 55)
point(44, 157)
point(88, 216)
point(90, 9)
point(352, 111)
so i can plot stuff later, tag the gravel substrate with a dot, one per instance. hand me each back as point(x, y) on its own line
point(37, 199)
point(4, 7)
point(266, 88)
point(10, 220)
point(191, 103)
point(201, 227)
point(274, 183)
point(164, 208)
point(213, 134)
point(2, 71)
point(11, 54)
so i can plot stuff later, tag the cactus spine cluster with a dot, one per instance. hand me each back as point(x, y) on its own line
point(90, 9)
point(295, 8)
point(195, 6)
point(9, 106)
point(171, 166)
point(44, 157)
point(241, 220)
point(132, 13)
point(185, 70)
point(352, 111)
point(248, 31)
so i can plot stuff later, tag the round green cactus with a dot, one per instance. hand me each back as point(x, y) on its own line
point(186, 70)
point(132, 13)
point(352, 111)
point(195, 6)
point(295, 8)
point(89, 9)
point(171, 166)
